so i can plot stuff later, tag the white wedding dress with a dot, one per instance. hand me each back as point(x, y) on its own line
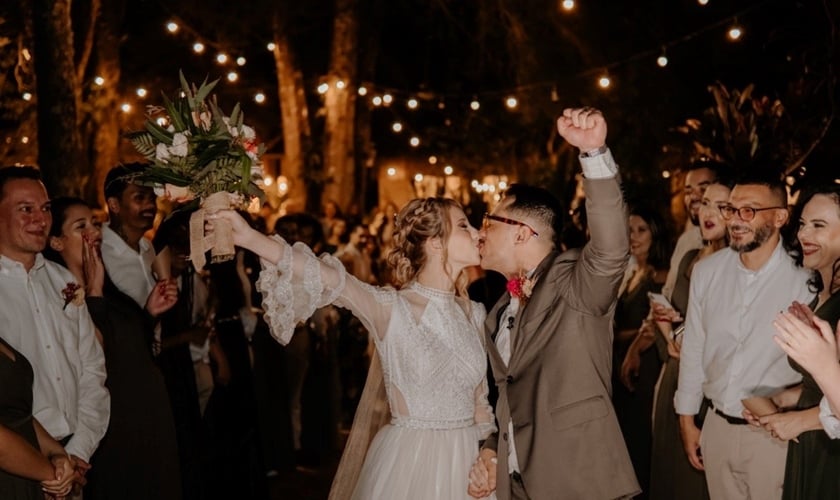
point(434, 366)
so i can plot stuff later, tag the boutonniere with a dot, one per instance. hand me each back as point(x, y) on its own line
point(73, 293)
point(520, 287)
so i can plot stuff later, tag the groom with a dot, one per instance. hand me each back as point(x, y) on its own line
point(550, 338)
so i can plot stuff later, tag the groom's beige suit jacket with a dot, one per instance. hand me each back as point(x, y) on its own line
point(557, 386)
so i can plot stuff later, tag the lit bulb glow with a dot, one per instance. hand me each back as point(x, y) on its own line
point(259, 98)
point(662, 61)
point(323, 88)
point(24, 140)
point(198, 47)
point(412, 104)
point(703, 2)
point(27, 96)
point(377, 101)
point(172, 27)
point(474, 105)
point(511, 102)
point(735, 33)
point(604, 82)
point(240, 61)
point(387, 98)
point(99, 81)
point(414, 141)
point(232, 76)
point(433, 159)
point(666, 174)
point(392, 171)
point(222, 58)
point(271, 46)
point(340, 85)
point(448, 170)
point(362, 91)
point(161, 121)
point(568, 4)
point(397, 127)
point(125, 107)
point(418, 177)
point(267, 180)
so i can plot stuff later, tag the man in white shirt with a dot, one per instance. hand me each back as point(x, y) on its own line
point(728, 352)
point(48, 324)
point(127, 254)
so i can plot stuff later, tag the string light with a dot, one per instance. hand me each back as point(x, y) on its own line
point(125, 107)
point(392, 171)
point(340, 85)
point(387, 99)
point(604, 82)
point(418, 177)
point(568, 4)
point(240, 61)
point(27, 96)
point(221, 58)
point(323, 88)
point(703, 2)
point(412, 104)
point(259, 98)
point(511, 102)
point(666, 174)
point(99, 81)
point(232, 76)
point(432, 160)
point(141, 92)
point(362, 91)
point(198, 47)
point(377, 101)
point(414, 141)
point(397, 127)
point(271, 46)
point(161, 121)
point(474, 105)
point(662, 60)
point(24, 140)
point(448, 170)
point(172, 27)
point(735, 32)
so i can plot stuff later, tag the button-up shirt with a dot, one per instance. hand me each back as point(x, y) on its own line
point(728, 352)
point(69, 394)
point(129, 270)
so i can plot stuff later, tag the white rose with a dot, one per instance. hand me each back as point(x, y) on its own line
point(161, 152)
point(159, 190)
point(179, 145)
point(248, 133)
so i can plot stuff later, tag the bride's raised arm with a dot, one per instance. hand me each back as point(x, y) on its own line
point(295, 282)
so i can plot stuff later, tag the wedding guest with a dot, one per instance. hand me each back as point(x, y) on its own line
point(438, 415)
point(672, 476)
point(134, 459)
point(812, 456)
point(48, 322)
point(127, 253)
point(551, 351)
point(28, 455)
point(726, 353)
point(636, 365)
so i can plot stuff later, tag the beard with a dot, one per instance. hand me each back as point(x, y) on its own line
point(760, 237)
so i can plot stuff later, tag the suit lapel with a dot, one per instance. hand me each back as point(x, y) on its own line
point(491, 327)
point(533, 310)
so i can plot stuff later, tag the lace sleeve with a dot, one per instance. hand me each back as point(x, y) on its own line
point(485, 420)
point(829, 421)
point(301, 282)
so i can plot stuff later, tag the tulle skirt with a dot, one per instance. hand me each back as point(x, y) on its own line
point(418, 464)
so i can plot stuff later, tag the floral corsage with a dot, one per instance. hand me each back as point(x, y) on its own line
point(520, 287)
point(73, 293)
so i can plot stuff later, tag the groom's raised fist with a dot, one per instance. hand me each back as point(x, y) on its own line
point(584, 128)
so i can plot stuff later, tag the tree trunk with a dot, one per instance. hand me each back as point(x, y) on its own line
point(339, 156)
point(294, 115)
point(60, 153)
point(104, 103)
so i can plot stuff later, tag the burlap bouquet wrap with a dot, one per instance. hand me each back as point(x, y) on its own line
point(220, 242)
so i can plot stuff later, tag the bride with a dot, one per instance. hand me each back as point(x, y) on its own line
point(428, 336)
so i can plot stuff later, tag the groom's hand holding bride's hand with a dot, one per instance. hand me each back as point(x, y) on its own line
point(584, 128)
point(483, 474)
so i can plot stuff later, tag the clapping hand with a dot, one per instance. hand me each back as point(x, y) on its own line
point(163, 296)
point(812, 344)
point(584, 128)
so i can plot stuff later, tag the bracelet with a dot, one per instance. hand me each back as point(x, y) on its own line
point(595, 152)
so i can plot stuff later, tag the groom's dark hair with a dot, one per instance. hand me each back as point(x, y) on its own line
point(538, 204)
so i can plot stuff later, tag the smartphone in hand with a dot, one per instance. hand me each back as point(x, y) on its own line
point(660, 299)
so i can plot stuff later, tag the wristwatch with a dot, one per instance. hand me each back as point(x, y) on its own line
point(595, 152)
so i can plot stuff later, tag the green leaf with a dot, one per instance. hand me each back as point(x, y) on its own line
point(205, 89)
point(159, 133)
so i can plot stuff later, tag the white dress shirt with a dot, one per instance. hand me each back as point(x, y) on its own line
point(130, 271)
point(829, 421)
point(69, 394)
point(728, 352)
point(602, 166)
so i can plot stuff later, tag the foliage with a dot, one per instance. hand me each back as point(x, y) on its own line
point(201, 148)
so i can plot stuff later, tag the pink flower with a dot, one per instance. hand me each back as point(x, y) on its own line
point(520, 287)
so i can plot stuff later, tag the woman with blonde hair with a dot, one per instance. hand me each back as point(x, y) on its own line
point(428, 336)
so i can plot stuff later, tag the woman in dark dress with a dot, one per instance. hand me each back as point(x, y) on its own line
point(137, 458)
point(29, 458)
point(813, 461)
point(672, 476)
point(633, 396)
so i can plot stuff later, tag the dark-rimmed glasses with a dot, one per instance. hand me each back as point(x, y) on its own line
point(746, 214)
point(488, 217)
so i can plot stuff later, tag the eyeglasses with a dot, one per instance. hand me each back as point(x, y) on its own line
point(746, 214)
point(488, 217)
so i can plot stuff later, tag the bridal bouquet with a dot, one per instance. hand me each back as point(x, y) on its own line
point(201, 156)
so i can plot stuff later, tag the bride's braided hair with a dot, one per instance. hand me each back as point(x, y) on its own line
point(419, 220)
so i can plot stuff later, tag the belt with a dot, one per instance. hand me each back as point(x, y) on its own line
point(731, 420)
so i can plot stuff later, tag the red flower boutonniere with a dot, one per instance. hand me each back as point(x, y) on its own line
point(520, 287)
point(73, 293)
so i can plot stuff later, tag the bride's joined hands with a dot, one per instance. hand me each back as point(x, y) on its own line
point(483, 474)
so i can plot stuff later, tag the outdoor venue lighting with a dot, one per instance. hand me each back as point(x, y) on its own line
point(271, 46)
point(221, 58)
point(666, 174)
point(198, 47)
point(232, 76)
point(662, 60)
point(703, 2)
point(391, 171)
point(414, 141)
point(172, 27)
point(568, 4)
point(259, 98)
point(448, 170)
point(433, 159)
point(377, 101)
point(125, 107)
point(362, 91)
point(27, 96)
point(99, 81)
point(735, 33)
point(474, 105)
point(387, 98)
point(397, 127)
point(323, 88)
point(241, 61)
point(511, 102)
point(418, 177)
point(340, 85)
point(604, 82)
point(141, 92)
point(412, 104)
